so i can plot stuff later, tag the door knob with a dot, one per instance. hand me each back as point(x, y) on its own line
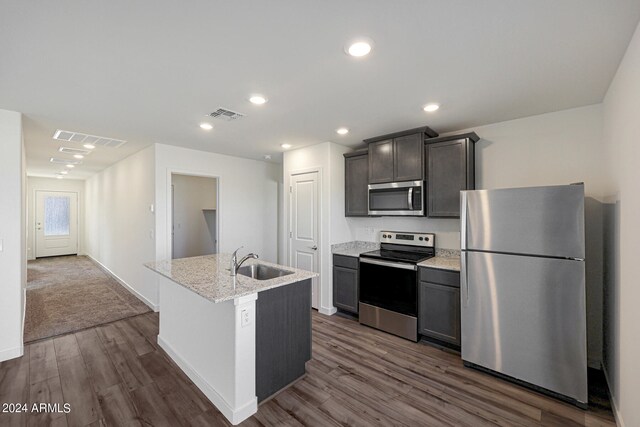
point(314, 247)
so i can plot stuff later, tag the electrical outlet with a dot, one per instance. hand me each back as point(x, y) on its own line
point(245, 318)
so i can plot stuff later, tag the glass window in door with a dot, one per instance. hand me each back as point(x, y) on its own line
point(56, 216)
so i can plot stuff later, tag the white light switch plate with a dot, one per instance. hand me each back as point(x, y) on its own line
point(1, 245)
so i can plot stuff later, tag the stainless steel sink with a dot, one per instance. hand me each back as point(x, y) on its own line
point(262, 272)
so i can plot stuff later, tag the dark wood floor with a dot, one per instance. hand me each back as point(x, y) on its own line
point(116, 375)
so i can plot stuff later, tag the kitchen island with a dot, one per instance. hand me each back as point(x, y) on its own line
point(239, 339)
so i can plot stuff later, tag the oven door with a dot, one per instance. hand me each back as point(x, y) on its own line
point(389, 285)
point(397, 198)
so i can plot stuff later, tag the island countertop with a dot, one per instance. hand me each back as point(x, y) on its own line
point(208, 276)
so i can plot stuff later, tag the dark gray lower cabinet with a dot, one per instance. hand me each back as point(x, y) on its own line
point(345, 283)
point(283, 336)
point(439, 305)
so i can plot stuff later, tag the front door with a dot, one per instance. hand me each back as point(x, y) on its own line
point(56, 223)
point(303, 233)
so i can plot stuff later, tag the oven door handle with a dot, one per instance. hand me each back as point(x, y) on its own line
point(389, 264)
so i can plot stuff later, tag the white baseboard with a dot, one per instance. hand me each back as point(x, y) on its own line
point(235, 416)
point(328, 311)
point(616, 413)
point(11, 353)
point(154, 307)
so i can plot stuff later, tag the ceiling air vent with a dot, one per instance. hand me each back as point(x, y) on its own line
point(64, 161)
point(65, 135)
point(69, 150)
point(223, 113)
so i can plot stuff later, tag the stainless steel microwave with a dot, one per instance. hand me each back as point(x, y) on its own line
point(397, 199)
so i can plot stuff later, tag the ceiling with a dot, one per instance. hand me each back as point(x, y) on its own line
point(149, 71)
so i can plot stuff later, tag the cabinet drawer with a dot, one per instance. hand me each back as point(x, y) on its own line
point(346, 261)
point(443, 277)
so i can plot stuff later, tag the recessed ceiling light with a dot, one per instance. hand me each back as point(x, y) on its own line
point(257, 99)
point(342, 131)
point(89, 146)
point(430, 108)
point(59, 176)
point(206, 126)
point(267, 156)
point(285, 146)
point(78, 156)
point(64, 172)
point(70, 166)
point(360, 47)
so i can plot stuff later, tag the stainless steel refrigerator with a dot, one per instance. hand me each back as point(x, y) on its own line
point(523, 287)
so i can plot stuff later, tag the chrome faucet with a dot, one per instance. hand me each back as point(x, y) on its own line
point(235, 265)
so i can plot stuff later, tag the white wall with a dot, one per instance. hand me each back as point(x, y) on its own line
point(247, 199)
point(194, 204)
point(50, 184)
point(622, 297)
point(119, 224)
point(327, 157)
point(12, 235)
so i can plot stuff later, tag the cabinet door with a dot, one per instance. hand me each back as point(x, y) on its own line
point(408, 158)
point(439, 312)
point(345, 289)
point(446, 177)
point(381, 161)
point(356, 180)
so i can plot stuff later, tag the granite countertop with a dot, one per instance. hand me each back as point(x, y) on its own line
point(354, 249)
point(208, 276)
point(445, 259)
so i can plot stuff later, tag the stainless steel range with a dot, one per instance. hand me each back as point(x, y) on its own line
point(389, 282)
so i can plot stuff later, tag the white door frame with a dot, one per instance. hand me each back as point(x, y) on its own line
point(35, 218)
point(318, 170)
point(169, 196)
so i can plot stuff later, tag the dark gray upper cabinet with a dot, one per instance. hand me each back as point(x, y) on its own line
point(450, 169)
point(356, 179)
point(407, 158)
point(381, 161)
point(398, 156)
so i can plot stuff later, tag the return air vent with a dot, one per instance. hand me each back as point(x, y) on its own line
point(69, 150)
point(64, 161)
point(228, 115)
point(65, 135)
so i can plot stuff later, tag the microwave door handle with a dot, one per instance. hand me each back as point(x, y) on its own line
point(410, 198)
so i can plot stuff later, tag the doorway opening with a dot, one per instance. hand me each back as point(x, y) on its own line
point(194, 215)
point(66, 291)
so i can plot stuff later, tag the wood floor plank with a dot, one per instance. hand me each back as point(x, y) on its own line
point(14, 387)
point(148, 326)
point(271, 414)
point(42, 361)
point(77, 390)
point(139, 342)
point(117, 407)
point(123, 357)
point(48, 391)
point(66, 347)
point(152, 408)
point(307, 415)
point(102, 372)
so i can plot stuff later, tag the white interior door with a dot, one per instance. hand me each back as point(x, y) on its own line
point(56, 223)
point(303, 234)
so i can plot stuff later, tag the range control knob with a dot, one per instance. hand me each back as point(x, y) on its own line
point(426, 239)
point(420, 238)
point(384, 236)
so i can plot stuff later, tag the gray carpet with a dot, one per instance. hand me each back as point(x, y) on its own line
point(70, 293)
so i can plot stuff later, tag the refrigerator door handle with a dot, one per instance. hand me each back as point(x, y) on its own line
point(463, 220)
point(464, 280)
